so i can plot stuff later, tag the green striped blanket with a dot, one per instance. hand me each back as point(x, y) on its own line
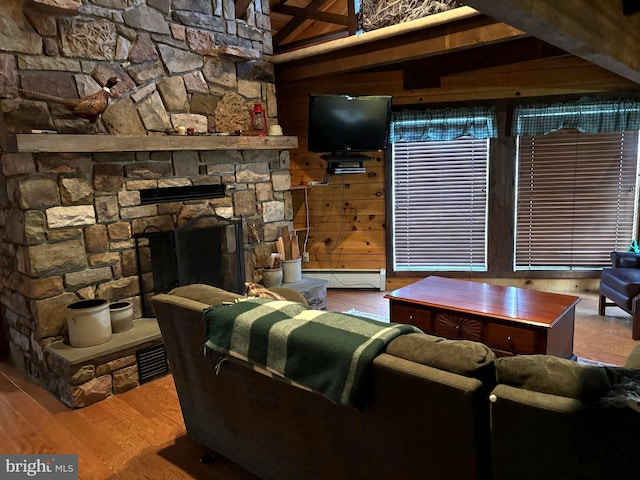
point(326, 352)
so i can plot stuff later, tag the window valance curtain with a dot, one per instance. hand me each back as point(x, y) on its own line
point(585, 115)
point(443, 124)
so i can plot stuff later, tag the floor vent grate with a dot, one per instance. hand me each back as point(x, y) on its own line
point(152, 363)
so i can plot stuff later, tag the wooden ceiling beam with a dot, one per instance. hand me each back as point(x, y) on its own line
point(316, 15)
point(426, 73)
point(599, 31)
point(410, 46)
point(295, 22)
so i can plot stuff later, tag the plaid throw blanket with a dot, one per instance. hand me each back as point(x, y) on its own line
point(326, 352)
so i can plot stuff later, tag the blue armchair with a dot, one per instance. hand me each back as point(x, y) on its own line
point(621, 284)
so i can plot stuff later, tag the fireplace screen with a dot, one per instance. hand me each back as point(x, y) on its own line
point(208, 249)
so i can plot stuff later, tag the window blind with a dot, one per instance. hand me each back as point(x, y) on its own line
point(440, 205)
point(576, 198)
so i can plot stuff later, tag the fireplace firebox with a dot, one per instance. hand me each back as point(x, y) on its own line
point(208, 249)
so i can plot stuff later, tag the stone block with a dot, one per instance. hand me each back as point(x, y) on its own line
point(78, 38)
point(107, 208)
point(153, 114)
point(107, 177)
point(15, 226)
point(173, 94)
point(90, 392)
point(199, 123)
point(95, 239)
point(83, 374)
point(256, 156)
point(281, 181)
point(121, 118)
point(125, 379)
point(129, 198)
point(35, 287)
point(173, 182)
point(51, 314)
point(17, 164)
point(192, 211)
point(64, 163)
point(38, 191)
point(129, 262)
point(143, 51)
point(252, 172)
point(221, 71)
point(58, 7)
point(87, 277)
point(195, 82)
point(249, 89)
point(56, 257)
point(133, 185)
point(145, 18)
point(204, 103)
point(121, 245)
point(74, 191)
point(64, 234)
point(119, 231)
point(117, 364)
point(272, 211)
point(138, 212)
point(8, 75)
point(142, 74)
point(264, 192)
point(72, 216)
point(244, 203)
point(122, 288)
point(21, 116)
point(153, 170)
point(100, 259)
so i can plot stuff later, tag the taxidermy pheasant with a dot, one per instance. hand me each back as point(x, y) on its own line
point(89, 107)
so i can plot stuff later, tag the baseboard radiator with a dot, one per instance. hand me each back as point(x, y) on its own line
point(350, 278)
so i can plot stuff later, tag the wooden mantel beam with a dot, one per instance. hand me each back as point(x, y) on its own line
point(597, 31)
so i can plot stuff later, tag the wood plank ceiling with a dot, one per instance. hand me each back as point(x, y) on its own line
point(316, 37)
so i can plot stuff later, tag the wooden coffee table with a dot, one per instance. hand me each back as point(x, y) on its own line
point(510, 320)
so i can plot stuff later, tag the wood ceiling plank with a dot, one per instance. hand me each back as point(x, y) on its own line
point(312, 15)
point(596, 31)
point(295, 22)
point(400, 49)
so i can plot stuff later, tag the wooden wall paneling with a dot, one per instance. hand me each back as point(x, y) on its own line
point(502, 172)
point(506, 84)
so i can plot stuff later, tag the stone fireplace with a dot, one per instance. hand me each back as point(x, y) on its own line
point(73, 199)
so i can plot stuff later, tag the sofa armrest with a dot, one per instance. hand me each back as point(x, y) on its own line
point(625, 260)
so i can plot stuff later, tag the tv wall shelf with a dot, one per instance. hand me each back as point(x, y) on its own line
point(345, 164)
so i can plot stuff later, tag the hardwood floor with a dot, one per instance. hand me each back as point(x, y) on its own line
point(140, 434)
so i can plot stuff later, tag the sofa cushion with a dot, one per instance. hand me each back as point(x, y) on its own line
point(464, 357)
point(554, 375)
point(208, 294)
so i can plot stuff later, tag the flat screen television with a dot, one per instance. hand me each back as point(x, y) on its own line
point(341, 124)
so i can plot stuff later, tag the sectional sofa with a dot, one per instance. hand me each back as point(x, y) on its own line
point(436, 409)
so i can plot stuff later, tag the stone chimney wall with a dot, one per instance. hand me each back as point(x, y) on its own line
point(180, 62)
point(67, 221)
